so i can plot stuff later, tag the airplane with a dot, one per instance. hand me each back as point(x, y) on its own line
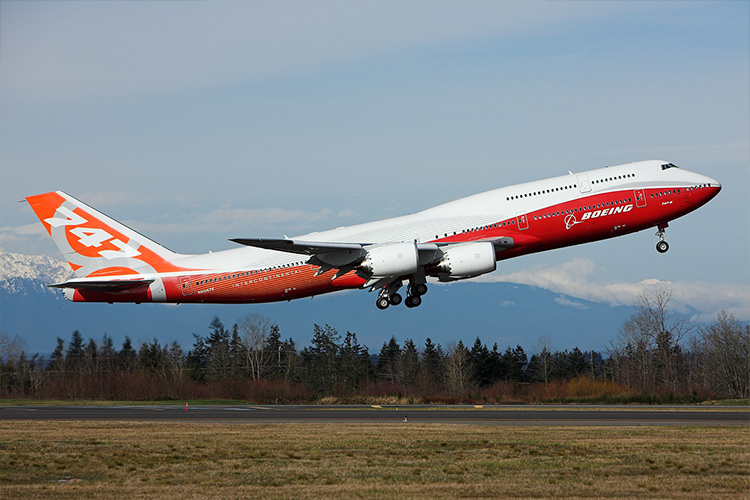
point(458, 240)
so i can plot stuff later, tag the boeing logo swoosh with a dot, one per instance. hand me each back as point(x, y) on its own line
point(570, 221)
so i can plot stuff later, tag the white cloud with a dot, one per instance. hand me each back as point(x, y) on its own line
point(578, 278)
point(565, 301)
point(34, 229)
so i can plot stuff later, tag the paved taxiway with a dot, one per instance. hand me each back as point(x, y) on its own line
point(488, 415)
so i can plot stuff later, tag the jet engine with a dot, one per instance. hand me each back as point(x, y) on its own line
point(466, 260)
point(393, 259)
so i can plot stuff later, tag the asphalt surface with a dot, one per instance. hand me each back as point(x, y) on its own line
point(487, 415)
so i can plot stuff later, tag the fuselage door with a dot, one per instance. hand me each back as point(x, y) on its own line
point(523, 220)
point(187, 288)
point(583, 183)
point(640, 198)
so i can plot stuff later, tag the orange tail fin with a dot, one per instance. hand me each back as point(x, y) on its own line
point(95, 245)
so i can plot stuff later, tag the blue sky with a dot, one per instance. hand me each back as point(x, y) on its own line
point(195, 122)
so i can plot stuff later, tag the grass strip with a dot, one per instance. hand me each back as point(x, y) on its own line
point(186, 460)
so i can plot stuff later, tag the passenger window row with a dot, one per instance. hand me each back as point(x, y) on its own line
point(615, 178)
point(543, 191)
point(571, 186)
point(665, 193)
point(587, 208)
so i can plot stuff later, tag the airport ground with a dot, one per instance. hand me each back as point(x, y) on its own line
point(179, 458)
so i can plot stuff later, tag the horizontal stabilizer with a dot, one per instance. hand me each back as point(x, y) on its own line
point(103, 285)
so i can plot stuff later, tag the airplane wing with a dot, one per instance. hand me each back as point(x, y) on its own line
point(103, 285)
point(355, 250)
point(328, 255)
point(345, 257)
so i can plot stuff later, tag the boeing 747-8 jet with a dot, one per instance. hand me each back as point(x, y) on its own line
point(454, 241)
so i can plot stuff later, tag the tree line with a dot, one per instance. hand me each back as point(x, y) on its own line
point(654, 355)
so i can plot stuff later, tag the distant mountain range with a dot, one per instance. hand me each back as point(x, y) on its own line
point(503, 313)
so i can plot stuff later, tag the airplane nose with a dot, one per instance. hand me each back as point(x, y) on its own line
point(713, 183)
point(708, 181)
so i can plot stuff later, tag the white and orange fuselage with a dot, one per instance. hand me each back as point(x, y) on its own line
point(456, 240)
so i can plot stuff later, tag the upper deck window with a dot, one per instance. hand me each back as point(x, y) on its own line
point(668, 165)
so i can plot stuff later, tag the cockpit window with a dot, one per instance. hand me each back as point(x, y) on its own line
point(668, 165)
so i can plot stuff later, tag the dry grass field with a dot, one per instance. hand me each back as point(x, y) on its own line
point(185, 461)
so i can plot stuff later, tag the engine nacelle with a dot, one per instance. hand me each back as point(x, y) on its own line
point(393, 259)
point(467, 260)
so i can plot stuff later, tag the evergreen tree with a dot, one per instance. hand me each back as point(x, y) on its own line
point(408, 364)
point(577, 364)
point(354, 365)
point(432, 360)
point(486, 366)
point(560, 366)
point(514, 361)
point(57, 359)
point(151, 358)
point(387, 361)
point(175, 358)
point(107, 354)
point(91, 357)
point(127, 358)
point(217, 345)
point(274, 347)
point(321, 358)
point(521, 360)
point(290, 362)
point(534, 370)
point(74, 354)
point(197, 359)
point(236, 353)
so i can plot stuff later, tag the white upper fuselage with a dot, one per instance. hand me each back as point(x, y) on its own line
point(483, 209)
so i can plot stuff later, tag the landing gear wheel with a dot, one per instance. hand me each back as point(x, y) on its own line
point(662, 246)
point(420, 289)
point(395, 299)
point(413, 301)
point(382, 302)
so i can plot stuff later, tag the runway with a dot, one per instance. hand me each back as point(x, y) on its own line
point(485, 415)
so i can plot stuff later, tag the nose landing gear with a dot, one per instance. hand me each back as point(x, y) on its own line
point(662, 246)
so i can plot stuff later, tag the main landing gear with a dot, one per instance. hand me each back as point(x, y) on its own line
point(662, 246)
point(389, 296)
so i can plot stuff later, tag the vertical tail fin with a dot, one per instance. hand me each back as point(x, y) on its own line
point(95, 245)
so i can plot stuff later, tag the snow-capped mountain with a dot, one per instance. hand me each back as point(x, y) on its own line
point(38, 267)
point(19, 274)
